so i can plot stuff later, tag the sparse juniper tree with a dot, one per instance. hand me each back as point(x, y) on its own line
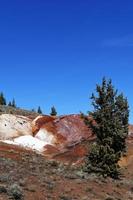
point(53, 111)
point(9, 104)
point(109, 122)
point(39, 110)
point(2, 99)
point(13, 103)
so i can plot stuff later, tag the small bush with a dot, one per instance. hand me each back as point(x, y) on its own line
point(4, 178)
point(3, 189)
point(131, 189)
point(109, 198)
point(62, 197)
point(16, 192)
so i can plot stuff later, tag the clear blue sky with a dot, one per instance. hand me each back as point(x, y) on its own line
point(54, 52)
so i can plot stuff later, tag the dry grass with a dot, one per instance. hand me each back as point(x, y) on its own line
point(36, 178)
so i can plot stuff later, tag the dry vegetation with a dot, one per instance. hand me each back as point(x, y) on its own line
point(27, 175)
point(17, 111)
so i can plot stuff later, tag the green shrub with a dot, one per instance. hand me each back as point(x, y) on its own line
point(16, 192)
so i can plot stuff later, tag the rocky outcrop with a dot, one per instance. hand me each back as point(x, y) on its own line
point(28, 141)
point(65, 138)
point(66, 130)
point(55, 137)
point(12, 126)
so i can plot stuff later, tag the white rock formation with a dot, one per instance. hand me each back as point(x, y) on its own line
point(46, 136)
point(12, 126)
point(17, 130)
point(28, 141)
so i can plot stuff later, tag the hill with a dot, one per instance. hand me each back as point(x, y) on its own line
point(17, 111)
point(25, 173)
point(55, 172)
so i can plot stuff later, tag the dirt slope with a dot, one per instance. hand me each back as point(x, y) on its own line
point(36, 178)
point(57, 174)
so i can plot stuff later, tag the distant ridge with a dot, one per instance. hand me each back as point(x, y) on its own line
point(17, 111)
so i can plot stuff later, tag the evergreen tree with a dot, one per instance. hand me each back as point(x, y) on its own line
point(53, 111)
point(13, 104)
point(109, 121)
point(9, 104)
point(39, 110)
point(2, 99)
point(33, 110)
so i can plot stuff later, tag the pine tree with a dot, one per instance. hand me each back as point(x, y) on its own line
point(53, 111)
point(2, 99)
point(33, 110)
point(9, 104)
point(13, 104)
point(109, 122)
point(39, 110)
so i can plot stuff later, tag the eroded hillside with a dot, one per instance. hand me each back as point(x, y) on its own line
point(55, 172)
point(37, 178)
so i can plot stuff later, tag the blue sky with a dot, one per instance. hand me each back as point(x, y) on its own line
point(54, 52)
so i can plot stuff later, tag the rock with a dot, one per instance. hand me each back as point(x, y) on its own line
point(64, 134)
point(65, 130)
point(12, 126)
point(64, 138)
point(28, 142)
